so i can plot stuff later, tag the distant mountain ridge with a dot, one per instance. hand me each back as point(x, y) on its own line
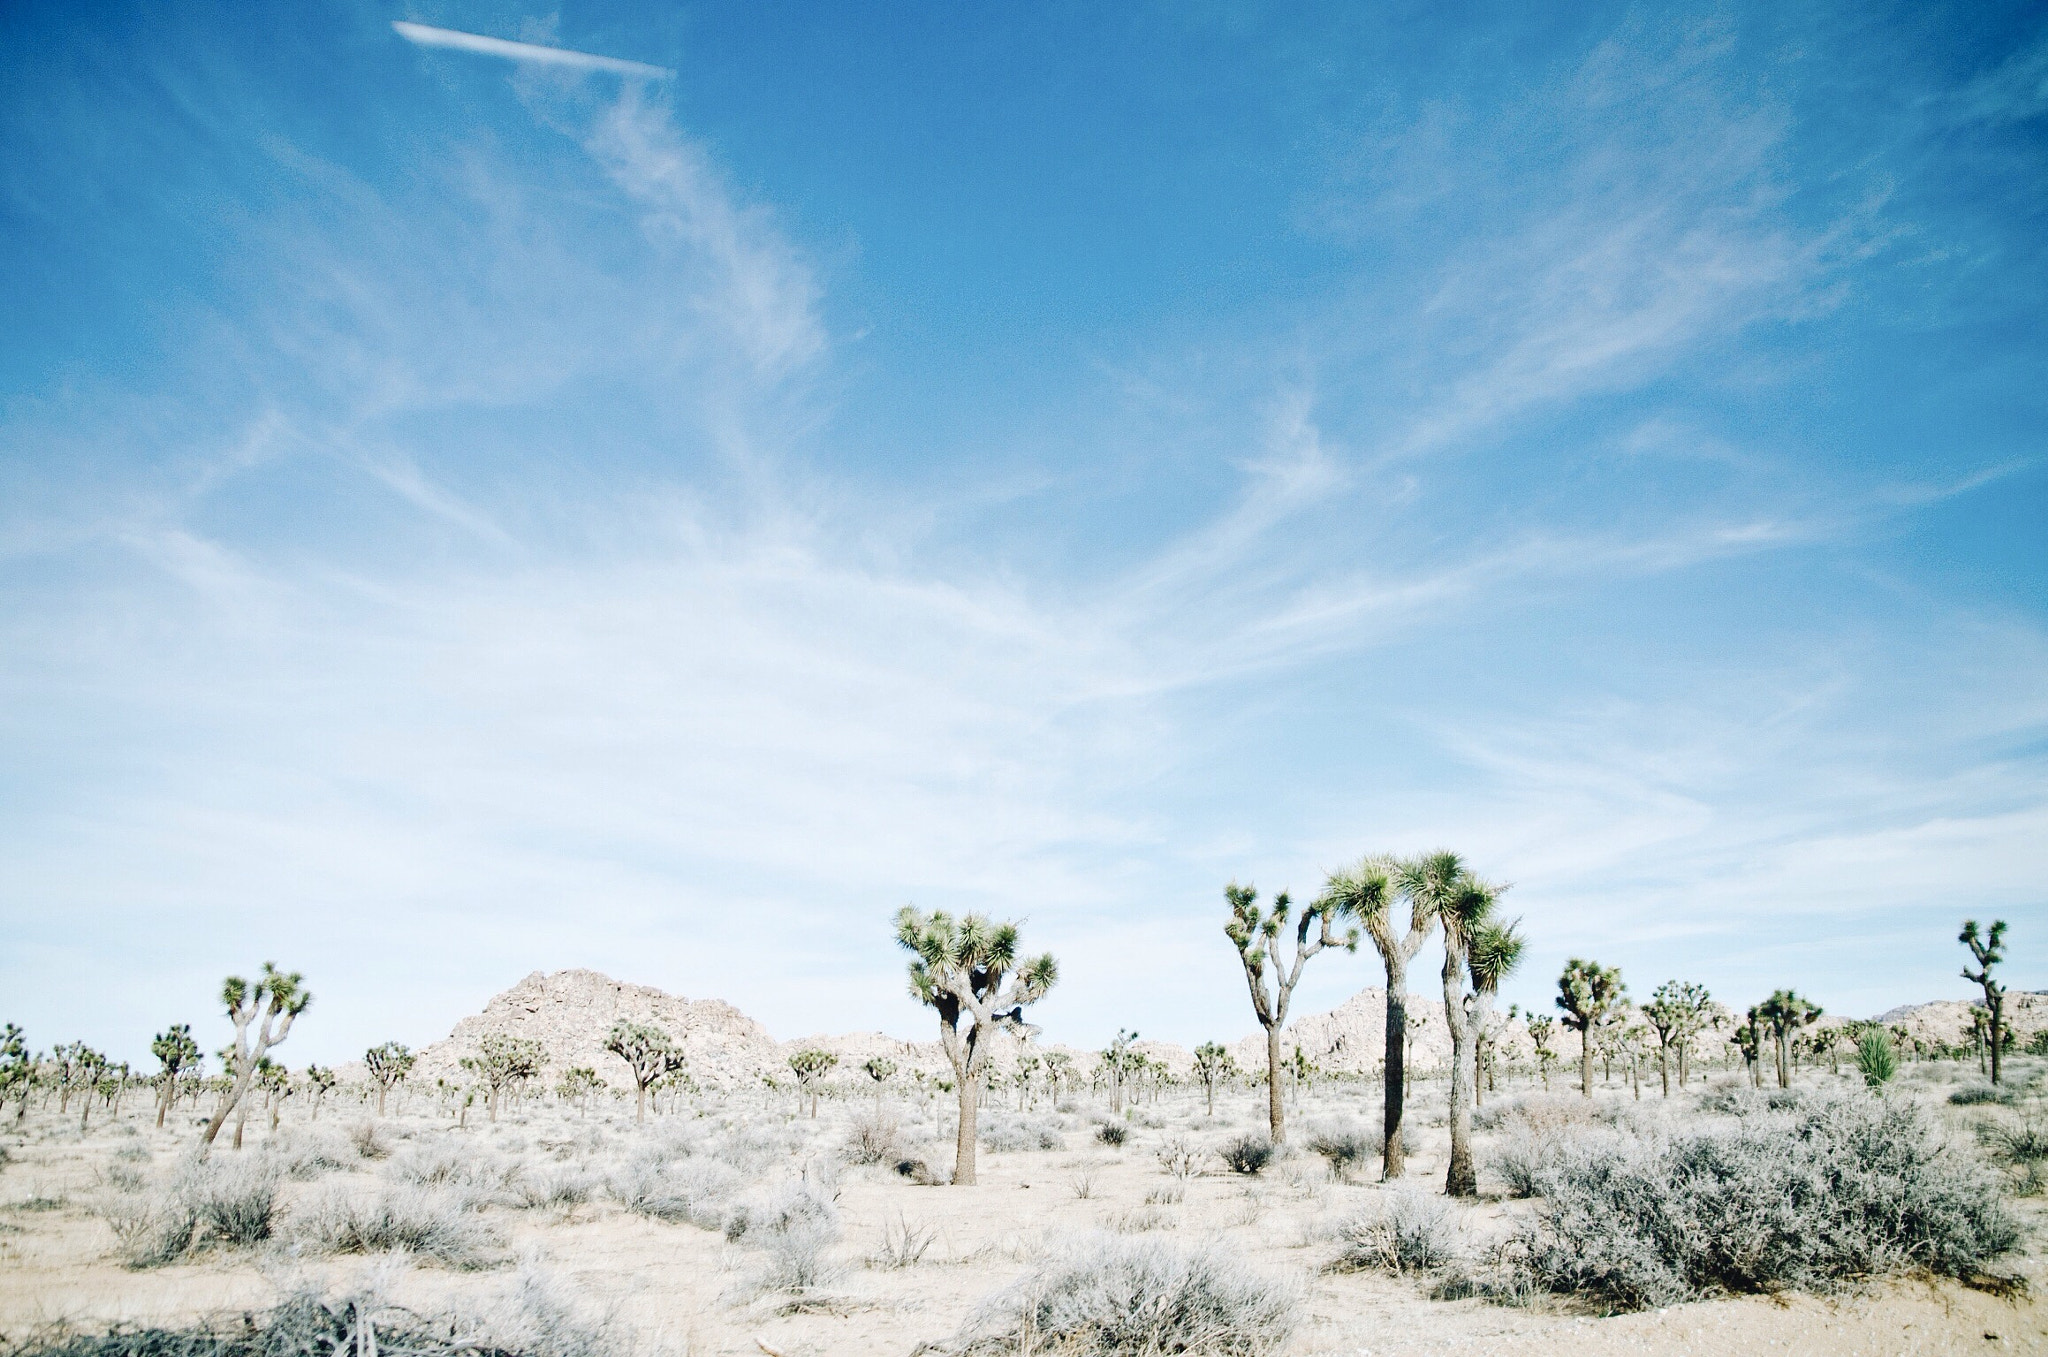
point(569, 1013)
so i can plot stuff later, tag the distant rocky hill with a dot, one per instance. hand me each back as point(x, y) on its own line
point(569, 1013)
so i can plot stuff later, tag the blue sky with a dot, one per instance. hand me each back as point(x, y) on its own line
point(462, 515)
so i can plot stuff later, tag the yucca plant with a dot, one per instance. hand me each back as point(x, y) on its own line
point(1875, 1059)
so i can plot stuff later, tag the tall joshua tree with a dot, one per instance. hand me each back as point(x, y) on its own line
point(176, 1052)
point(649, 1052)
point(1256, 934)
point(1988, 950)
point(1365, 892)
point(388, 1064)
point(968, 969)
point(1495, 953)
point(1783, 1014)
point(1442, 886)
point(263, 1014)
point(1590, 995)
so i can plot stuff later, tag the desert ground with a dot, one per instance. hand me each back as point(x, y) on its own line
point(598, 1225)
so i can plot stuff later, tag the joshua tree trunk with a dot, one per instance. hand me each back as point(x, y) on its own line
point(381, 1091)
point(964, 1141)
point(1586, 1060)
point(1664, 1068)
point(1394, 1161)
point(1784, 1058)
point(1276, 1114)
point(1462, 1180)
point(163, 1105)
point(241, 1120)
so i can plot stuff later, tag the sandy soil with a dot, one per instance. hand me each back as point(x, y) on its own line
point(686, 1290)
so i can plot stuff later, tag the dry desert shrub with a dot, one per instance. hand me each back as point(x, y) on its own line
point(1246, 1154)
point(223, 1202)
point(1013, 1135)
point(874, 1136)
point(1135, 1298)
point(903, 1245)
point(795, 1227)
point(438, 1223)
point(1839, 1189)
point(696, 1191)
point(1404, 1232)
point(454, 1162)
point(552, 1188)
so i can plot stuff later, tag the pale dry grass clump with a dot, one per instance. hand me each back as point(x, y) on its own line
point(438, 1223)
point(1136, 1298)
point(1404, 1232)
point(229, 1202)
point(1837, 1190)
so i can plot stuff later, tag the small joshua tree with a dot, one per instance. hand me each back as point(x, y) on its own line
point(1782, 1015)
point(1494, 954)
point(881, 1069)
point(88, 1068)
point(263, 1014)
point(1749, 1040)
point(321, 1080)
point(1677, 1013)
point(1365, 892)
point(969, 969)
point(649, 1052)
point(1118, 1061)
point(1541, 1028)
point(501, 1061)
point(1988, 950)
point(17, 1070)
point(1591, 995)
point(810, 1068)
point(1271, 977)
point(388, 1064)
point(176, 1052)
point(579, 1085)
point(1213, 1064)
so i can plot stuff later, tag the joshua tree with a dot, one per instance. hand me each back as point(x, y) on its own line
point(1212, 1064)
point(1256, 935)
point(1591, 995)
point(1677, 1012)
point(578, 1085)
point(1495, 952)
point(17, 1070)
point(1365, 892)
point(1783, 1014)
point(263, 1014)
point(1118, 1060)
point(321, 1080)
point(88, 1068)
point(881, 1069)
point(649, 1052)
point(1440, 885)
point(1541, 1028)
point(1749, 1039)
point(501, 1061)
point(810, 1068)
point(176, 1052)
point(388, 1064)
point(969, 969)
point(1988, 950)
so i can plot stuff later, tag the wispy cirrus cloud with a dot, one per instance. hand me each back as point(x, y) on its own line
point(426, 35)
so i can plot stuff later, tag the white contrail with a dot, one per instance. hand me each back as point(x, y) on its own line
point(426, 36)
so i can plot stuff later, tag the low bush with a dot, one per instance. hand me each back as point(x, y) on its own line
point(1012, 1136)
point(1136, 1298)
point(1112, 1133)
point(429, 1222)
point(1836, 1190)
point(795, 1228)
point(555, 1189)
point(1345, 1148)
point(2022, 1149)
point(1978, 1095)
point(227, 1201)
point(1404, 1232)
point(1246, 1154)
point(696, 1192)
point(874, 1137)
